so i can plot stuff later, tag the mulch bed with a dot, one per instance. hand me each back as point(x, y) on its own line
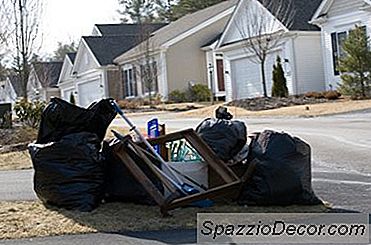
point(260, 104)
point(159, 109)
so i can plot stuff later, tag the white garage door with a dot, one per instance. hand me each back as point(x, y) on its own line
point(246, 77)
point(89, 92)
point(67, 94)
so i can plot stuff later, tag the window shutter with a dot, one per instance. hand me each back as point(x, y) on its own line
point(335, 57)
point(155, 76)
point(125, 83)
point(135, 87)
point(142, 74)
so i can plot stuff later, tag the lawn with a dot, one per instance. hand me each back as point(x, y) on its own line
point(33, 219)
point(15, 161)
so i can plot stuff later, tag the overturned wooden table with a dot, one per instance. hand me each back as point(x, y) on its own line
point(230, 181)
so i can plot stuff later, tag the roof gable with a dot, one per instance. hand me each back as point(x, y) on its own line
point(106, 48)
point(16, 84)
point(188, 24)
point(113, 40)
point(71, 57)
point(302, 10)
point(249, 15)
point(66, 72)
point(325, 7)
point(85, 59)
point(48, 73)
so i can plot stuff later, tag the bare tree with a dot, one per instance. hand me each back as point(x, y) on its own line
point(40, 78)
point(262, 32)
point(23, 28)
point(146, 67)
point(3, 38)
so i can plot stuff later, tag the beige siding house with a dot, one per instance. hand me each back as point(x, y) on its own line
point(176, 53)
point(91, 74)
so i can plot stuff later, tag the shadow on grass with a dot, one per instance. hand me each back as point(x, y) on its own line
point(145, 222)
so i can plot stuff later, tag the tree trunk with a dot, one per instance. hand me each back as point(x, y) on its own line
point(24, 69)
point(263, 78)
point(363, 86)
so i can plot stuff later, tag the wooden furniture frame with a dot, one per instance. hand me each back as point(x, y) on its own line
point(231, 181)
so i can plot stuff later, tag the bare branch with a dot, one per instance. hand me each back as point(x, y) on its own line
point(261, 31)
point(23, 20)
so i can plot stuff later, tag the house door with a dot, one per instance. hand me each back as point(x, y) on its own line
point(220, 75)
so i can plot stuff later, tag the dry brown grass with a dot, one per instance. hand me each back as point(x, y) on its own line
point(17, 135)
point(22, 160)
point(15, 161)
point(341, 106)
point(32, 219)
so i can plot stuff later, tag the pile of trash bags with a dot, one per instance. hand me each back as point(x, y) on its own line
point(226, 137)
point(74, 171)
point(282, 174)
point(69, 168)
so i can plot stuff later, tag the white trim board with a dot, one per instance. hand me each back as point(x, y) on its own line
point(235, 14)
point(198, 28)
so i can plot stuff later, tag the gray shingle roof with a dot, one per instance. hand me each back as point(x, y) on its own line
point(189, 21)
point(72, 57)
point(106, 48)
point(303, 12)
point(213, 40)
point(186, 23)
point(125, 29)
point(48, 72)
point(117, 39)
point(16, 83)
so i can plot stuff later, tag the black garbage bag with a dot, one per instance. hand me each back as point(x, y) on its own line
point(222, 113)
point(120, 185)
point(282, 174)
point(69, 173)
point(61, 118)
point(225, 137)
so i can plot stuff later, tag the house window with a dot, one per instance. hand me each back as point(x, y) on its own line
point(337, 42)
point(149, 78)
point(129, 82)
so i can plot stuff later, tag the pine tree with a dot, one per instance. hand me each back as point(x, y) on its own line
point(72, 99)
point(356, 65)
point(164, 10)
point(63, 49)
point(137, 11)
point(279, 88)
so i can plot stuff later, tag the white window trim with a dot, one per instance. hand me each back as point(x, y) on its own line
point(128, 68)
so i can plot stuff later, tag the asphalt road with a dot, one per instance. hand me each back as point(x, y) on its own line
point(16, 185)
point(341, 148)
